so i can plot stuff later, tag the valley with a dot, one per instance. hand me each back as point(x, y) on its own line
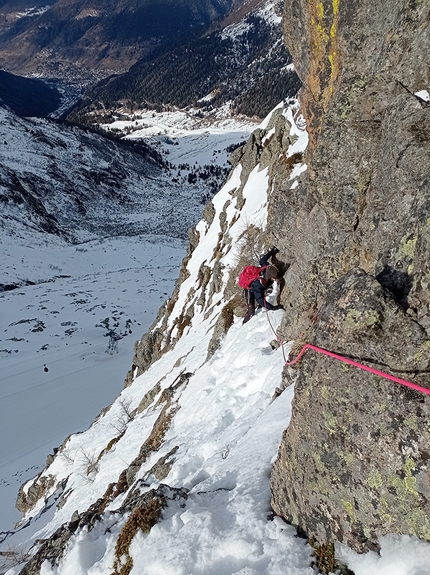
point(62, 298)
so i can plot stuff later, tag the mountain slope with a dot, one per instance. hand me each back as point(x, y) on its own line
point(243, 61)
point(79, 274)
point(28, 96)
point(194, 451)
point(83, 39)
point(174, 476)
point(80, 185)
point(77, 310)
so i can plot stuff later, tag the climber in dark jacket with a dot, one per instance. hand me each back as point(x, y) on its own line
point(257, 290)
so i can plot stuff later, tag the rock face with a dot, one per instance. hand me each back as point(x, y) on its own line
point(363, 201)
point(356, 231)
point(358, 468)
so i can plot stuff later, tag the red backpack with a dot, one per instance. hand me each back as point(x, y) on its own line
point(248, 275)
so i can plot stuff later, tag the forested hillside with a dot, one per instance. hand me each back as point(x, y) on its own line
point(245, 63)
point(83, 40)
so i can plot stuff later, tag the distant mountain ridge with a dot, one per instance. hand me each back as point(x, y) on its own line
point(243, 62)
point(83, 39)
point(154, 53)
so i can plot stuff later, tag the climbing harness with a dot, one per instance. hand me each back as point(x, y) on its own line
point(307, 346)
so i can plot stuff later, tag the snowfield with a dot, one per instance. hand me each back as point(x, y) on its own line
point(60, 323)
point(186, 136)
point(210, 426)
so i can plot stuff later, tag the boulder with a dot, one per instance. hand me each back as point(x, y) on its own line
point(354, 462)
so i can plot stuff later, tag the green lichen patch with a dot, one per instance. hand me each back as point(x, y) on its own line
point(374, 479)
point(372, 318)
point(331, 423)
point(349, 508)
point(407, 247)
point(423, 351)
point(352, 318)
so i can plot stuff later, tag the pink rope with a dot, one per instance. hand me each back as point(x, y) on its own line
point(360, 366)
point(348, 361)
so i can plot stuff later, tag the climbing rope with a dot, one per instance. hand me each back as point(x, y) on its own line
point(307, 346)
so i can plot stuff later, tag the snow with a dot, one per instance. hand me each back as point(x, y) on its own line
point(34, 11)
point(266, 120)
point(228, 429)
point(234, 31)
point(399, 555)
point(266, 12)
point(424, 95)
point(208, 97)
point(57, 323)
point(268, 136)
point(297, 170)
point(182, 136)
point(227, 417)
point(298, 129)
point(134, 194)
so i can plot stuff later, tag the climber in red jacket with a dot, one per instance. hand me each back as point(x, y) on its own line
point(256, 293)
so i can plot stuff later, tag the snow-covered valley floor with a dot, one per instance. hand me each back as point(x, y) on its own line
point(61, 323)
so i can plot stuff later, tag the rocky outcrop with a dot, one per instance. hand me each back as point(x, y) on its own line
point(363, 201)
point(353, 463)
point(143, 509)
point(359, 467)
point(27, 498)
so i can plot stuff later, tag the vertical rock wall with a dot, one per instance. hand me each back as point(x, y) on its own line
point(353, 464)
point(364, 200)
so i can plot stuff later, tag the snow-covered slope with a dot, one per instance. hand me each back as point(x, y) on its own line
point(198, 436)
point(59, 300)
point(79, 185)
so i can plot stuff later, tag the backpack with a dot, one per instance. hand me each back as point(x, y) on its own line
point(248, 275)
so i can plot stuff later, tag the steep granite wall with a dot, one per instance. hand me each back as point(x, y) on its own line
point(353, 464)
point(357, 231)
point(364, 200)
